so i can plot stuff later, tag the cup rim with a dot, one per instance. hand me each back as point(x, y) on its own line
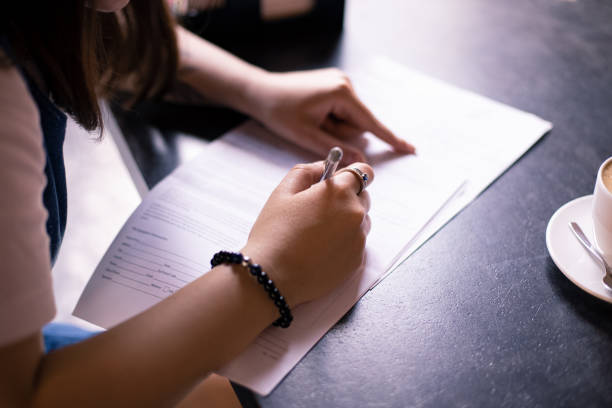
point(600, 179)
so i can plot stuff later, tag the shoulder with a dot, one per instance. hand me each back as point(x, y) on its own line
point(15, 97)
point(20, 130)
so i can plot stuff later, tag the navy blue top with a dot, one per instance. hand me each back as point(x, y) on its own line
point(53, 125)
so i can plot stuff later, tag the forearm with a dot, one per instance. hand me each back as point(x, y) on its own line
point(155, 358)
point(216, 74)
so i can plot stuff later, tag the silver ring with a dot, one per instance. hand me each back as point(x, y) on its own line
point(362, 176)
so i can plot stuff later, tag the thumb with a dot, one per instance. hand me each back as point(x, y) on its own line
point(301, 177)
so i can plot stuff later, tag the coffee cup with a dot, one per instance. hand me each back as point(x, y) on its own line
point(602, 209)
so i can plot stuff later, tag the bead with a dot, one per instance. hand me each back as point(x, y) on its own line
point(262, 277)
point(254, 269)
point(268, 285)
point(246, 261)
point(215, 260)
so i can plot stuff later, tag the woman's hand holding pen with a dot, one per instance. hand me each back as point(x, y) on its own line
point(310, 235)
point(317, 110)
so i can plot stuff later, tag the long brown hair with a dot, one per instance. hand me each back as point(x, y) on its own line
point(79, 55)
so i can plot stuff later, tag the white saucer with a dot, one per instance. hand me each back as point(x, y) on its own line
point(567, 253)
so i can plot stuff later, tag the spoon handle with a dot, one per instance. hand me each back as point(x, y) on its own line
point(607, 279)
point(585, 241)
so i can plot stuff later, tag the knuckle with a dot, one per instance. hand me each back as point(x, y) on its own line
point(343, 76)
point(346, 79)
point(357, 213)
point(346, 192)
point(344, 86)
point(360, 212)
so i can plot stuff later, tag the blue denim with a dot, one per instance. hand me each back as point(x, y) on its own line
point(57, 335)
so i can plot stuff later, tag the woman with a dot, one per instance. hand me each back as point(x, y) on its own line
point(58, 60)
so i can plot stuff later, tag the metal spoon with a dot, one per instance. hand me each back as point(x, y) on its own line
point(594, 251)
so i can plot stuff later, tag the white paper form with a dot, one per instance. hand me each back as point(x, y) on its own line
point(211, 203)
point(456, 129)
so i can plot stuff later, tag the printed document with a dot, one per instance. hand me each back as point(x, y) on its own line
point(210, 204)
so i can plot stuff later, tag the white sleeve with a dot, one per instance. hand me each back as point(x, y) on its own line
point(26, 291)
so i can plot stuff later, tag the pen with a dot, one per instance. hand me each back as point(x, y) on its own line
point(331, 163)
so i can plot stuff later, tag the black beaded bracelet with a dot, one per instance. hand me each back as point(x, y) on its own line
point(226, 257)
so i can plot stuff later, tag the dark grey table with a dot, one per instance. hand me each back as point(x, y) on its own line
point(480, 315)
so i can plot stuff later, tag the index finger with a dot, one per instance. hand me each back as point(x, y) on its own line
point(301, 177)
point(353, 110)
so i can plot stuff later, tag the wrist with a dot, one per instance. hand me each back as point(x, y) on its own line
point(275, 272)
point(249, 294)
point(262, 278)
point(256, 101)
